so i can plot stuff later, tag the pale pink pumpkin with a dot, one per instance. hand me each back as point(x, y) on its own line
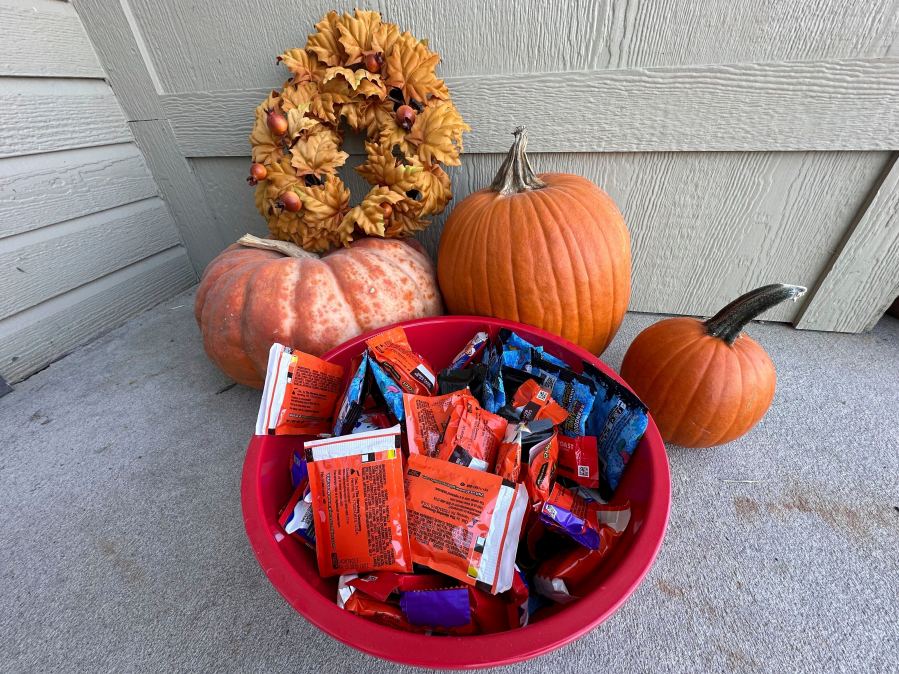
point(250, 297)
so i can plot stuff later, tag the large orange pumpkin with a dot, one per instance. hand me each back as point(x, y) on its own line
point(273, 291)
point(706, 382)
point(549, 250)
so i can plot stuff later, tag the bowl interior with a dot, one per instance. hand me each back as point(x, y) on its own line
point(292, 568)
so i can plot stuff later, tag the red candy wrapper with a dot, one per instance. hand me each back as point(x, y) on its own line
point(498, 613)
point(382, 584)
point(392, 352)
point(579, 460)
point(368, 607)
point(473, 435)
point(564, 578)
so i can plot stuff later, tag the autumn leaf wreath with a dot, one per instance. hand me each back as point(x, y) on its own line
point(384, 85)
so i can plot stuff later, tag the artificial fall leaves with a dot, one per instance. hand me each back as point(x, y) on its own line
point(356, 69)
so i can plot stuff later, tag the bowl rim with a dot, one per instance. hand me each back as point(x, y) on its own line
point(467, 652)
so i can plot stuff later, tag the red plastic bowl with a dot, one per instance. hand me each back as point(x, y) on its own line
point(291, 567)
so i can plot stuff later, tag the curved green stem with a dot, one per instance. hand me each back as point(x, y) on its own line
point(730, 321)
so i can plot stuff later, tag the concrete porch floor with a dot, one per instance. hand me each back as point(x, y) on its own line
point(123, 549)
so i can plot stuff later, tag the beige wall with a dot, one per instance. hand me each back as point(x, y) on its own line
point(743, 141)
point(85, 240)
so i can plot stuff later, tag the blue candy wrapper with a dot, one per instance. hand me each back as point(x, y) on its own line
point(299, 473)
point(572, 391)
point(353, 398)
point(297, 517)
point(390, 390)
point(494, 395)
point(437, 608)
point(517, 358)
point(512, 342)
point(618, 420)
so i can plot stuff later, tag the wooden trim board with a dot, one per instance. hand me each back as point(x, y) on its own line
point(863, 278)
point(121, 54)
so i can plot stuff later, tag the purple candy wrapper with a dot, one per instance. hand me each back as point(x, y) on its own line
point(565, 520)
point(437, 608)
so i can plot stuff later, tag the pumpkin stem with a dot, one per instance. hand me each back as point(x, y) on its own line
point(284, 247)
point(516, 174)
point(729, 322)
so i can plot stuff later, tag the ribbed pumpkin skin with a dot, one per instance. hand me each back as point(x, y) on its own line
point(700, 390)
point(249, 298)
point(558, 257)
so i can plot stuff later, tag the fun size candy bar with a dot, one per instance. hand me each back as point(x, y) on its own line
point(427, 418)
point(512, 341)
point(392, 352)
point(446, 607)
point(577, 515)
point(388, 390)
point(618, 420)
point(470, 352)
point(296, 518)
point(300, 393)
point(579, 460)
point(541, 473)
point(464, 523)
point(351, 405)
point(535, 402)
point(472, 436)
point(358, 503)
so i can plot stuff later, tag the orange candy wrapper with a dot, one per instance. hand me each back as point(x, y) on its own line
point(542, 463)
point(356, 482)
point(427, 418)
point(300, 393)
point(537, 403)
point(392, 352)
point(473, 435)
point(464, 523)
point(508, 457)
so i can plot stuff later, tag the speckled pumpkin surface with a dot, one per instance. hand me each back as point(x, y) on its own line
point(249, 298)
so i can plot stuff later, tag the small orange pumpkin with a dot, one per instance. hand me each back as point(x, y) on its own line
point(549, 250)
point(706, 382)
point(260, 291)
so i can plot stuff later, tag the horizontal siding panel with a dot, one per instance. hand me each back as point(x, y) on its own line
point(835, 105)
point(232, 43)
point(44, 38)
point(36, 337)
point(43, 115)
point(38, 265)
point(44, 189)
point(704, 226)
